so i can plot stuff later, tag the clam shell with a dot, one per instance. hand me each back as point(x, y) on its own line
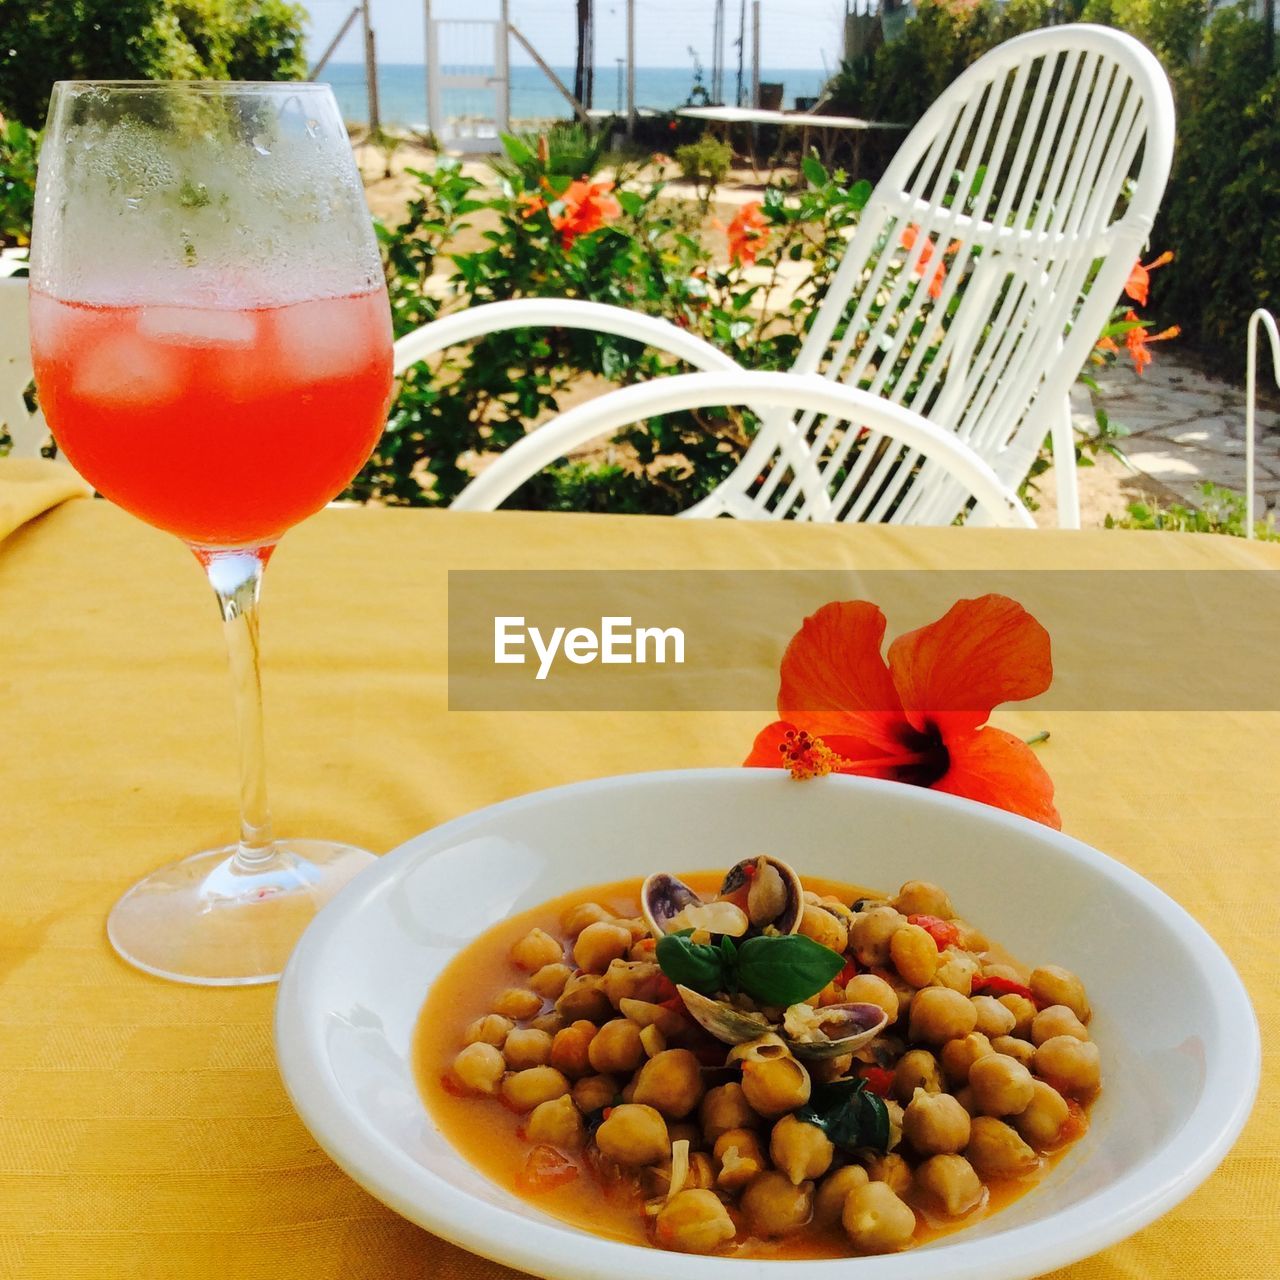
point(847, 1027)
point(662, 898)
point(727, 1024)
point(789, 920)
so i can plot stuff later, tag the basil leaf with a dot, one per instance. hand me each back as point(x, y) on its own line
point(692, 964)
point(785, 969)
point(850, 1115)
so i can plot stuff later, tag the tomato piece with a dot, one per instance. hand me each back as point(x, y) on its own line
point(545, 1168)
point(994, 985)
point(664, 991)
point(943, 932)
point(1076, 1125)
point(850, 971)
point(879, 1080)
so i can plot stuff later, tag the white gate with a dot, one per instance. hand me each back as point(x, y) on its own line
point(467, 82)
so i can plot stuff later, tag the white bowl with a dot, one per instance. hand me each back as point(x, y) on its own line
point(1179, 1042)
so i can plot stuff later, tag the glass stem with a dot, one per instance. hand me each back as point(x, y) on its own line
point(236, 578)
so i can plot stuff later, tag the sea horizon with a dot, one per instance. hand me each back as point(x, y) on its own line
point(402, 98)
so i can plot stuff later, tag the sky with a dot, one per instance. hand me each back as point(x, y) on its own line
point(794, 33)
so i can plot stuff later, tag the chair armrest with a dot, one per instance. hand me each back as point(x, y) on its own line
point(607, 414)
point(563, 313)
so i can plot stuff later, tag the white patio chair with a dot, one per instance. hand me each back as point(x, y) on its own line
point(1268, 322)
point(978, 280)
point(27, 431)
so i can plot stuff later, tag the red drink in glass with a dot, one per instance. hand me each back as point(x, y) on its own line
point(223, 426)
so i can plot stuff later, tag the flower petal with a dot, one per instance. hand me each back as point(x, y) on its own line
point(834, 664)
point(857, 740)
point(979, 654)
point(998, 769)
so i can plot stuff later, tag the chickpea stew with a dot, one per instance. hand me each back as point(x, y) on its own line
point(755, 1067)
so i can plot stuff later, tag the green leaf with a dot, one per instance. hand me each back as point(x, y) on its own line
point(519, 152)
point(785, 970)
point(813, 170)
point(860, 193)
point(692, 964)
point(849, 1114)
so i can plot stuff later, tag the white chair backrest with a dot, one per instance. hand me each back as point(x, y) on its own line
point(980, 275)
point(27, 431)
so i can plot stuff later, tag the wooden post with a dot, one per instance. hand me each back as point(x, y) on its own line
point(433, 93)
point(631, 68)
point(755, 53)
point(503, 69)
point(370, 69)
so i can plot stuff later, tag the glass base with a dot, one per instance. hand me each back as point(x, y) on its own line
point(215, 921)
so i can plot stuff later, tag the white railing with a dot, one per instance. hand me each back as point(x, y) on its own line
point(1268, 322)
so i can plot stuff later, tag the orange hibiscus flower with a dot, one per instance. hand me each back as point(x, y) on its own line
point(1138, 285)
point(921, 716)
point(747, 234)
point(1137, 340)
point(584, 207)
point(909, 235)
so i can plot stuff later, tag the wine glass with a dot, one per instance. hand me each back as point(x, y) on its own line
point(212, 349)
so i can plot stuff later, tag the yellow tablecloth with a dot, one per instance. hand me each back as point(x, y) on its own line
point(144, 1131)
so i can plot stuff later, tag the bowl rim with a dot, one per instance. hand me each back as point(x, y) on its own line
point(557, 1249)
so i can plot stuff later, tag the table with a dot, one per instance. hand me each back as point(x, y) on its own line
point(144, 1132)
point(803, 120)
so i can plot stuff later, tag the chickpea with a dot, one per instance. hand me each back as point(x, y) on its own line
point(550, 1022)
point(686, 1131)
point(774, 1206)
point(1052, 984)
point(950, 1180)
point(1042, 1120)
point(1056, 1020)
point(1024, 1013)
point(518, 1003)
point(549, 981)
point(630, 980)
point(896, 1114)
point(557, 1123)
point(916, 1069)
point(616, 1048)
point(652, 1041)
point(994, 969)
point(577, 918)
point(492, 1029)
point(939, 1014)
point(964, 1096)
point(922, 898)
point(1072, 1066)
point(876, 1220)
point(594, 1093)
point(827, 1070)
point(480, 1066)
point(959, 1056)
point(645, 1014)
point(527, 1048)
point(1022, 1051)
point(993, 1018)
point(914, 954)
point(775, 1085)
point(536, 949)
point(671, 1082)
point(957, 970)
point(634, 1134)
point(628, 1093)
point(1001, 1085)
point(694, 1221)
point(972, 939)
point(996, 1151)
point(725, 1108)
point(583, 999)
point(737, 1152)
point(571, 1049)
point(892, 1170)
point(523, 1090)
point(824, 927)
point(872, 932)
point(802, 1151)
point(866, 988)
point(600, 944)
point(833, 1191)
point(936, 1124)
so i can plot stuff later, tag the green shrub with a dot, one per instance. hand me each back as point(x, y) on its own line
point(565, 150)
point(1220, 511)
point(708, 160)
point(48, 40)
point(18, 149)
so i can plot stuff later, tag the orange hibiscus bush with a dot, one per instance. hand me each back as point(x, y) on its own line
point(919, 716)
point(1129, 327)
